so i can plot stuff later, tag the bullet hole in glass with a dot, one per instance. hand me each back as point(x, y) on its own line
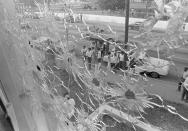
point(38, 68)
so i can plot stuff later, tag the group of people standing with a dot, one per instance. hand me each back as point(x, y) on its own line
point(88, 54)
point(184, 84)
point(116, 60)
point(95, 56)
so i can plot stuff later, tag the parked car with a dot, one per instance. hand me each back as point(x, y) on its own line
point(155, 67)
point(135, 26)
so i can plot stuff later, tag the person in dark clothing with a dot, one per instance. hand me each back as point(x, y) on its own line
point(180, 83)
point(121, 60)
point(107, 48)
point(103, 50)
point(126, 60)
point(184, 94)
point(114, 59)
point(132, 63)
point(83, 51)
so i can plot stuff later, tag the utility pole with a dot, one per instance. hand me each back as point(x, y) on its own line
point(127, 6)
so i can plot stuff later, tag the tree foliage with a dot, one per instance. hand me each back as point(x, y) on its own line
point(31, 2)
point(112, 4)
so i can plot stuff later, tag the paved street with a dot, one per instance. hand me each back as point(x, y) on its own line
point(165, 86)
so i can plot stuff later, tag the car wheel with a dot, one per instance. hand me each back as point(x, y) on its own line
point(144, 73)
point(154, 75)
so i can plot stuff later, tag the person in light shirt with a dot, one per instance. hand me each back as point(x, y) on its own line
point(185, 74)
point(89, 57)
point(70, 105)
point(109, 61)
point(141, 56)
point(185, 90)
point(83, 51)
point(99, 58)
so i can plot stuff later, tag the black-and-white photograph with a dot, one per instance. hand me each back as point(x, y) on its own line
point(93, 65)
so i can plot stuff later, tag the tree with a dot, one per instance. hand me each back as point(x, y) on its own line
point(111, 4)
point(31, 2)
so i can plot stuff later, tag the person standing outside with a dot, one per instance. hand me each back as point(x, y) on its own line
point(116, 62)
point(185, 74)
point(81, 17)
point(141, 57)
point(132, 12)
point(103, 50)
point(70, 105)
point(89, 57)
point(185, 90)
point(109, 61)
point(99, 58)
point(83, 51)
point(113, 59)
point(121, 60)
point(93, 56)
point(126, 60)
